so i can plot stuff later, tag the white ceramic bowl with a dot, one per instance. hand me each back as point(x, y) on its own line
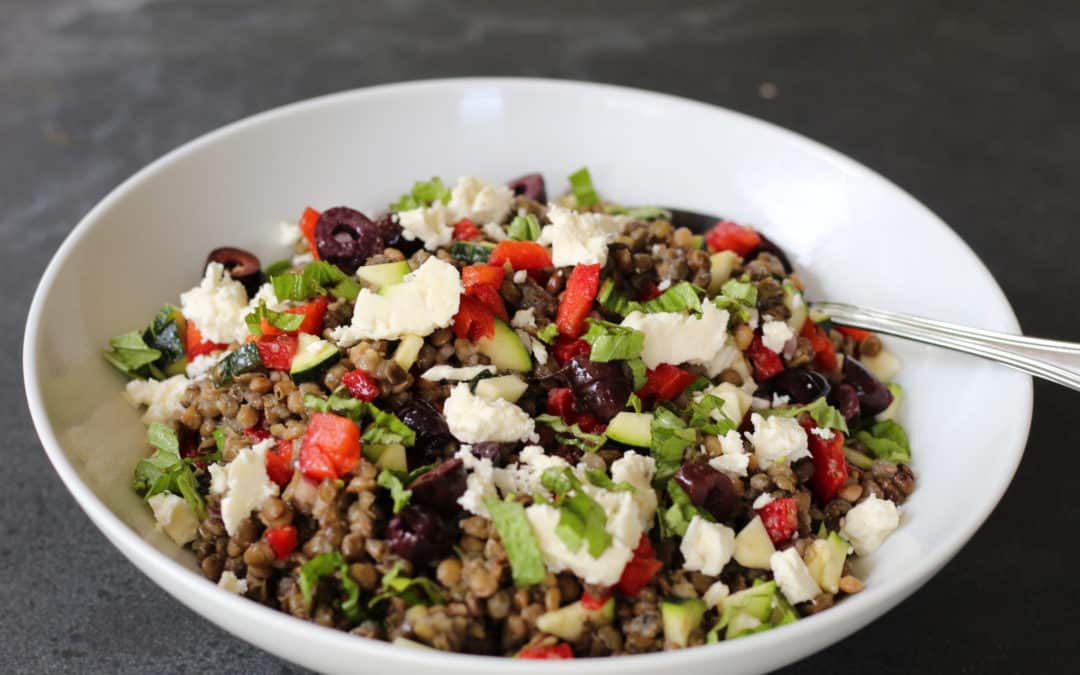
point(854, 236)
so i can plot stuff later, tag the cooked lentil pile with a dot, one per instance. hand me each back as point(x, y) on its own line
point(489, 423)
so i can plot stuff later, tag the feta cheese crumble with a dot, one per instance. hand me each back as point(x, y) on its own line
point(775, 334)
point(423, 302)
point(734, 458)
point(676, 338)
point(174, 517)
point(580, 238)
point(520, 276)
point(524, 318)
point(638, 471)
point(218, 306)
point(868, 523)
point(439, 373)
point(161, 398)
point(604, 571)
point(432, 225)
point(763, 500)
point(823, 433)
point(480, 202)
point(231, 583)
point(539, 351)
point(201, 365)
point(244, 483)
point(479, 482)
point(715, 593)
point(777, 440)
point(288, 233)
point(793, 576)
point(473, 419)
point(707, 547)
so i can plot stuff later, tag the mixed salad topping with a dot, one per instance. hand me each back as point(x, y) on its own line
point(489, 423)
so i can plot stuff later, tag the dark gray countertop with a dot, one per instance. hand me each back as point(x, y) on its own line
point(974, 111)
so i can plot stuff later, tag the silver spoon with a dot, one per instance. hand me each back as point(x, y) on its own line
point(1052, 360)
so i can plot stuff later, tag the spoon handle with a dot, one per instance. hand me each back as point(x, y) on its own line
point(1052, 360)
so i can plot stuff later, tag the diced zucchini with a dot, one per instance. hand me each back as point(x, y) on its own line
point(825, 560)
point(313, 358)
point(752, 610)
point(893, 410)
point(166, 334)
point(631, 428)
point(682, 616)
point(720, 267)
point(505, 349)
point(508, 387)
point(753, 547)
point(472, 252)
point(384, 274)
point(392, 456)
point(244, 359)
point(794, 300)
point(571, 622)
point(407, 351)
point(736, 401)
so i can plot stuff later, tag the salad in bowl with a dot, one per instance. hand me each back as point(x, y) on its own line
point(493, 423)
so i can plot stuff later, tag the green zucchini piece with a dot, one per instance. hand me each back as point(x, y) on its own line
point(313, 358)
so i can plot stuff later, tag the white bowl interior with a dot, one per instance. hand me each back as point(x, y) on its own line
point(854, 237)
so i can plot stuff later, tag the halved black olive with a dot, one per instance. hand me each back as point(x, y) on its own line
point(800, 385)
point(441, 487)
point(346, 238)
point(603, 388)
point(874, 397)
point(241, 265)
point(531, 186)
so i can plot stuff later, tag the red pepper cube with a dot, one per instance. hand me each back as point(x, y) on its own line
point(830, 465)
point(308, 221)
point(282, 540)
point(466, 230)
point(279, 463)
point(481, 275)
point(522, 255)
point(765, 361)
point(314, 312)
point(277, 351)
point(196, 345)
point(781, 518)
point(556, 651)
point(474, 319)
point(331, 447)
point(566, 348)
point(641, 569)
point(577, 300)
point(361, 385)
point(729, 236)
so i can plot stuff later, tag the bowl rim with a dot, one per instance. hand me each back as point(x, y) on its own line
point(190, 589)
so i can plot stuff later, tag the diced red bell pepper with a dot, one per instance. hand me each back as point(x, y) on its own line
point(830, 466)
point(856, 334)
point(641, 569)
point(566, 348)
point(277, 351)
point(650, 291)
point(481, 275)
point(589, 423)
point(361, 385)
point(577, 299)
point(781, 518)
point(824, 349)
point(489, 295)
point(556, 651)
point(730, 236)
point(308, 221)
point(474, 319)
point(666, 382)
point(282, 540)
point(592, 603)
point(560, 401)
point(466, 230)
point(279, 462)
point(766, 362)
point(195, 345)
point(314, 312)
point(522, 255)
point(331, 447)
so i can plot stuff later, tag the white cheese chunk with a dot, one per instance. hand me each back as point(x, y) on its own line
point(218, 306)
point(524, 318)
point(520, 276)
point(868, 523)
point(266, 294)
point(638, 471)
point(539, 351)
point(793, 577)
point(244, 483)
point(425, 301)
point(715, 593)
point(288, 233)
point(775, 334)
point(439, 373)
point(479, 482)
point(161, 398)
point(676, 338)
point(231, 583)
point(200, 366)
point(433, 225)
point(777, 440)
point(174, 517)
point(580, 238)
point(736, 401)
point(604, 570)
point(763, 500)
point(473, 419)
point(735, 464)
point(707, 547)
point(524, 477)
point(481, 202)
point(823, 433)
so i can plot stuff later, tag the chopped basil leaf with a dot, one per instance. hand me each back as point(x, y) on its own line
point(548, 333)
point(414, 591)
point(219, 438)
point(398, 493)
point(738, 297)
point(559, 480)
point(700, 383)
point(611, 342)
point(277, 267)
point(316, 403)
point(579, 507)
point(822, 413)
point(676, 518)
point(601, 480)
point(582, 439)
point(524, 228)
point(639, 212)
point(634, 403)
point(418, 471)
point(519, 541)
point(670, 439)
point(130, 353)
point(312, 281)
point(281, 320)
point(423, 193)
point(163, 437)
point(347, 289)
point(326, 565)
point(385, 428)
point(683, 296)
point(639, 373)
point(707, 415)
point(581, 184)
point(887, 440)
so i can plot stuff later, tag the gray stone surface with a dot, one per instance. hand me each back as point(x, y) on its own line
point(972, 107)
